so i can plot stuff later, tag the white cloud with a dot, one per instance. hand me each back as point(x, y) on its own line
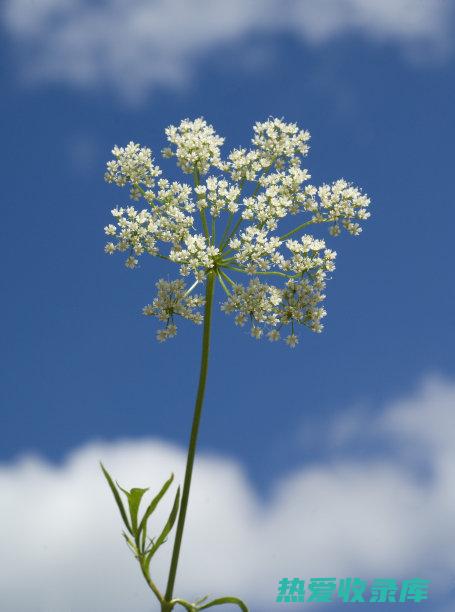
point(136, 45)
point(62, 551)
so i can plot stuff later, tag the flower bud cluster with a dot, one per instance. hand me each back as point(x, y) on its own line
point(256, 302)
point(269, 307)
point(173, 299)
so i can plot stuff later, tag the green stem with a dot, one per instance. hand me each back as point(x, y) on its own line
point(227, 278)
point(193, 441)
point(231, 217)
point(151, 584)
point(205, 226)
point(296, 229)
point(226, 241)
point(197, 180)
point(283, 237)
point(143, 195)
point(253, 195)
point(222, 283)
point(213, 236)
point(226, 230)
point(225, 261)
point(269, 272)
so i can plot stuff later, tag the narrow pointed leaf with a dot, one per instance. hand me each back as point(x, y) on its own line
point(225, 600)
point(116, 497)
point(153, 504)
point(167, 528)
point(134, 500)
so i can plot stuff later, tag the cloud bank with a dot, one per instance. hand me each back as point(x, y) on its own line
point(62, 550)
point(135, 46)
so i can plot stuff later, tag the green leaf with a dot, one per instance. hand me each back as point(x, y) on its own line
point(167, 528)
point(153, 504)
point(134, 500)
point(225, 600)
point(116, 497)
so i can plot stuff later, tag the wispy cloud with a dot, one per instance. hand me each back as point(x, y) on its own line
point(62, 551)
point(135, 46)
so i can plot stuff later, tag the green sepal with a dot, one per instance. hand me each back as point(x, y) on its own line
point(153, 504)
point(167, 528)
point(117, 498)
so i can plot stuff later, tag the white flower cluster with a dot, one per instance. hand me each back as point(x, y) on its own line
point(134, 165)
point(297, 302)
point(256, 250)
point(173, 299)
point(340, 203)
point(226, 224)
point(217, 195)
point(195, 256)
point(275, 143)
point(276, 139)
point(245, 165)
point(306, 257)
point(282, 195)
point(135, 232)
point(197, 146)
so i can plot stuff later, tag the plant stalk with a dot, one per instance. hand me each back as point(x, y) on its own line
point(166, 605)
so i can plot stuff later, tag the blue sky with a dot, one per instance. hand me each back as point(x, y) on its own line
point(373, 84)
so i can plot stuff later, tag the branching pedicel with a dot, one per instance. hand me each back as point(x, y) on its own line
point(246, 195)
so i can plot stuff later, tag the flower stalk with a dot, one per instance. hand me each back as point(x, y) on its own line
point(193, 438)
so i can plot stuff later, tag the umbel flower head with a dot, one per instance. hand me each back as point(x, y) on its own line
point(225, 219)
